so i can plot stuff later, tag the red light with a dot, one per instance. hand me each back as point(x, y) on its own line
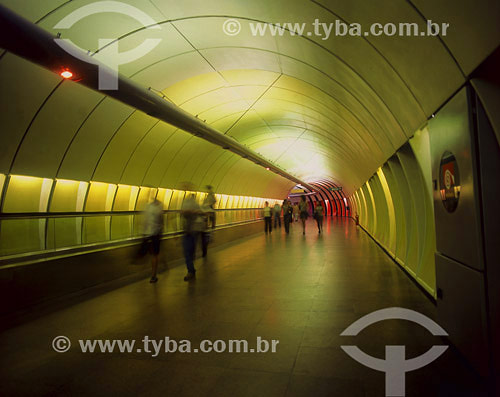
point(66, 74)
point(267, 168)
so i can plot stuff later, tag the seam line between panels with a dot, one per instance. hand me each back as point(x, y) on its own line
point(31, 124)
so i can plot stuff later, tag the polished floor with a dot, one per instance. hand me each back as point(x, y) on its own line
point(301, 290)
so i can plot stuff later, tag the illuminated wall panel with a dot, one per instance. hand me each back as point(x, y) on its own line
point(100, 196)
point(176, 201)
point(230, 202)
point(126, 198)
point(27, 194)
point(218, 198)
point(165, 195)
point(395, 207)
point(223, 201)
point(68, 196)
point(146, 195)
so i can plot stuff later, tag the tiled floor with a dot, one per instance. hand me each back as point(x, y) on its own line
point(301, 290)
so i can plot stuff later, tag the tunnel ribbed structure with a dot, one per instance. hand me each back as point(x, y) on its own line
point(331, 109)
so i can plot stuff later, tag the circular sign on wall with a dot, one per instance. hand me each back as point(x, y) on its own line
point(449, 181)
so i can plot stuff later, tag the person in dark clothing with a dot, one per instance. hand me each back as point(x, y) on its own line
point(318, 215)
point(304, 212)
point(287, 215)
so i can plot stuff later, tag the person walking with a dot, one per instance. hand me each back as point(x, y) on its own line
point(277, 215)
point(304, 212)
point(296, 212)
point(193, 225)
point(205, 232)
point(318, 215)
point(209, 203)
point(287, 215)
point(153, 215)
point(268, 225)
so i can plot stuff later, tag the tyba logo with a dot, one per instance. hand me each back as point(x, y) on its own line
point(395, 364)
point(112, 58)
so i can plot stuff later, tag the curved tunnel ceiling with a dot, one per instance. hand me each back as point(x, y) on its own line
point(331, 109)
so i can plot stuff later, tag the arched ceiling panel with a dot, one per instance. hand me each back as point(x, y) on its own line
point(24, 88)
point(83, 153)
point(117, 153)
point(46, 141)
point(474, 30)
point(172, 70)
point(427, 69)
point(140, 160)
point(164, 157)
point(243, 180)
point(224, 123)
point(187, 161)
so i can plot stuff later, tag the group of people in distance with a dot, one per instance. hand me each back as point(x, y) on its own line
point(292, 213)
point(197, 222)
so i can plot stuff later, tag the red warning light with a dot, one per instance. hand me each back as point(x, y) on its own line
point(66, 74)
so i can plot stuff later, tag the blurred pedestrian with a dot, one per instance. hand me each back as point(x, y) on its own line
point(193, 224)
point(318, 215)
point(210, 202)
point(304, 212)
point(277, 215)
point(153, 217)
point(296, 212)
point(287, 215)
point(205, 232)
point(268, 224)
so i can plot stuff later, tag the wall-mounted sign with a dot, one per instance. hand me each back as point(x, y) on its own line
point(296, 191)
point(449, 181)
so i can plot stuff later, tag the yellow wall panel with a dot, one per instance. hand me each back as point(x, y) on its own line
point(165, 196)
point(126, 197)
point(223, 201)
point(100, 196)
point(68, 196)
point(390, 207)
point(176, 201)
point(146, 195)
point(230, 202)
point(27, 194)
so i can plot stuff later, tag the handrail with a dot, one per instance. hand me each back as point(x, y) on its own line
point(41, 215)
point(25, 258)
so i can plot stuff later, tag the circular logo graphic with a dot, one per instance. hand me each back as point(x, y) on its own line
point(449, 181)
